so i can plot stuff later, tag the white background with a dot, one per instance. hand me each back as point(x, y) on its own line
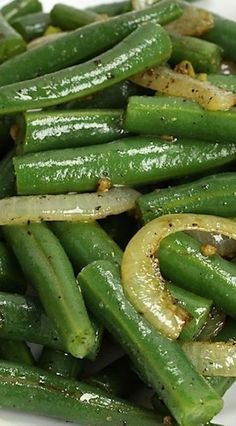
point(226, 8)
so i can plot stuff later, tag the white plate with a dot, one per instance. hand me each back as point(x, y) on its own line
point(227, 417)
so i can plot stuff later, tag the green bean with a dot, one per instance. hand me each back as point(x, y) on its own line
point(227, 82)
point(17, 8)
point(213, 194)
point(160, 361)
point(131, 161)
point(31, 26)
point(42, 131)
point(18, 352)
point(83, 44)
point(86, 242)
point(69, 18)
point(223, 33)
point(221, 384)
point(115, 65)
point(24, 319)
point(7, 176)
point(180, 117)
point(113, 9)
point(197, 307)
point(117, 378)
point(214, 324)
point(11, 276)
point(113, 97)
point(59, 363)
point(35, 391)
point(182, 259)
point(50, 271)
point(11, 43)
point(98, 339)
point(204, 56)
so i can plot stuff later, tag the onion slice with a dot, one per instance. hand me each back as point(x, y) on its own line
point(69, 207)
point(167, 81)
point(141, 278)
point(212, 359)
point(193, 22)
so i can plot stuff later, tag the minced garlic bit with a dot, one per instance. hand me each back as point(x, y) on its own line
point(208, 250)
point(104, 184)
point(185, 67)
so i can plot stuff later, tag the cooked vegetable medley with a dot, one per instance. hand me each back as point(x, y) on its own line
point(117, 212)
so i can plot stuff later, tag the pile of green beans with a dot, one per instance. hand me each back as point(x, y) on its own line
point(77, 118)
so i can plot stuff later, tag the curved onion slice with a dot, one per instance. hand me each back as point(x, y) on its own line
point(212, 359)
point(226, 247)
point(193, 22)
point(70, 207)
point(141, 277)
point(172, 83)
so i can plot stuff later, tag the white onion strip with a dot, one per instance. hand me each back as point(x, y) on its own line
point(69, 207)
point(193, 22)
point(141, 277)
point(212, 359)
point(172, 83)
